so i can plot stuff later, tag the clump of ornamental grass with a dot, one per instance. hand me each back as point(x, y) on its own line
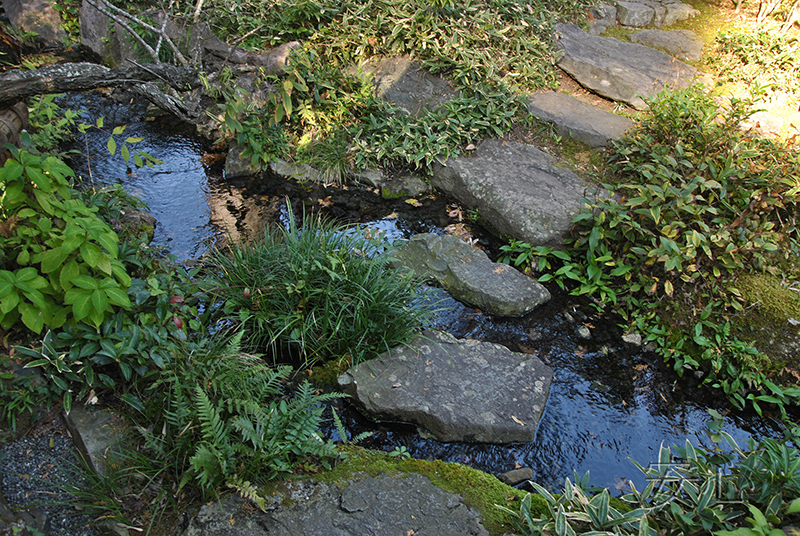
point(315, 291)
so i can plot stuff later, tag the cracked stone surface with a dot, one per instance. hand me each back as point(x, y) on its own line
point(378, 506)
point(457, 389)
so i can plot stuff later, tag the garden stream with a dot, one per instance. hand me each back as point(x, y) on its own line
point(608, 402)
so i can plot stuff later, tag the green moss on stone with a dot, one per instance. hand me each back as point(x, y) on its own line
point(480, 491)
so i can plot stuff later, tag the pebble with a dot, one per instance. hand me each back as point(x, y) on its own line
point(34, 472)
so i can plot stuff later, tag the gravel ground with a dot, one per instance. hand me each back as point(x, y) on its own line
point(33, 471)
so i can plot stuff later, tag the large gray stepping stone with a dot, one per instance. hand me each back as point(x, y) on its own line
point(683, 44)
point(577, 119)
point(378, 506)
point(516, 189)
point(624, 72)
point(458, 390)
point(469, 276)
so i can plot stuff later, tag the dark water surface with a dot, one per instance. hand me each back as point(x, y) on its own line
point(608, 402)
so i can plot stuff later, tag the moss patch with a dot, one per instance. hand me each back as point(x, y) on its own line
point(773, 298)
point(479, 490)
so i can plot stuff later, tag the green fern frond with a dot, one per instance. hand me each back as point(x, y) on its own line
point(247, 491)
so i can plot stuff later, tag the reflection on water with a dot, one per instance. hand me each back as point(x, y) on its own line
point(608, 402)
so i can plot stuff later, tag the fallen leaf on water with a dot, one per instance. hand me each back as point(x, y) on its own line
point(325, 202)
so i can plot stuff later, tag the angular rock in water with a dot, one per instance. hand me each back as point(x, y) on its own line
point(624, 72)
point(577, 119)
point(458, 390)
point(683, 44)
point(517, 191)
point(382, 505)
point(469, 276)
point(403, 83)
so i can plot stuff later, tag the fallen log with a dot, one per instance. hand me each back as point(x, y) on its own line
point(17, 85)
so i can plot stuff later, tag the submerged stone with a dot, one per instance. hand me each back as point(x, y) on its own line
point(458, 390)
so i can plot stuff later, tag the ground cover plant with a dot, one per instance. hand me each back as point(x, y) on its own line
point(693, 202)
point(724, 489)
point(323, 112)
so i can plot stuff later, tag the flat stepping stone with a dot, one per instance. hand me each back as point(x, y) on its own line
point(458, 390)
point(378, 506)
point(624, 72)
point(682, 44)
point(517, 191)
point(470, 277)
point(575, 118)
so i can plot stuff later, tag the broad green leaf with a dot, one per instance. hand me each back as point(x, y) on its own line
point(39, 179)
point(125, 153)
point(9, 302)
point(118, 297)
point(85, 282)
point(70, 271)
point(53, 259)
point(81, 303)
point(99, 301)
point(109, 242)
point(91, 254)
point(31, 317)
point(118, 130)
point(112, 146)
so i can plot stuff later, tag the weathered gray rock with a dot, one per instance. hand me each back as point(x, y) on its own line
point(516, 476)
point(38, 16)
point(677, 11)
point(601, 18)
point(516, 189)
point(139, 221)
point(237, 165)
point(401, 82)
point(106, 38)
point(298, 172)
point(634, 14)
point(404, 185)
point(458, 390)
point(469, 276)
point(577, 119)
point(97, 434)
point(624, 72)
point(683, 44)
point(379, 506)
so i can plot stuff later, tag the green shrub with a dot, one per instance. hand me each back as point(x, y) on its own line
point(317, 291)
point(163, 322)
point(59, 260)
point(697, 490)
point(694, 201)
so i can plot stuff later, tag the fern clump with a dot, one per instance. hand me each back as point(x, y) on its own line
point(227, 422)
